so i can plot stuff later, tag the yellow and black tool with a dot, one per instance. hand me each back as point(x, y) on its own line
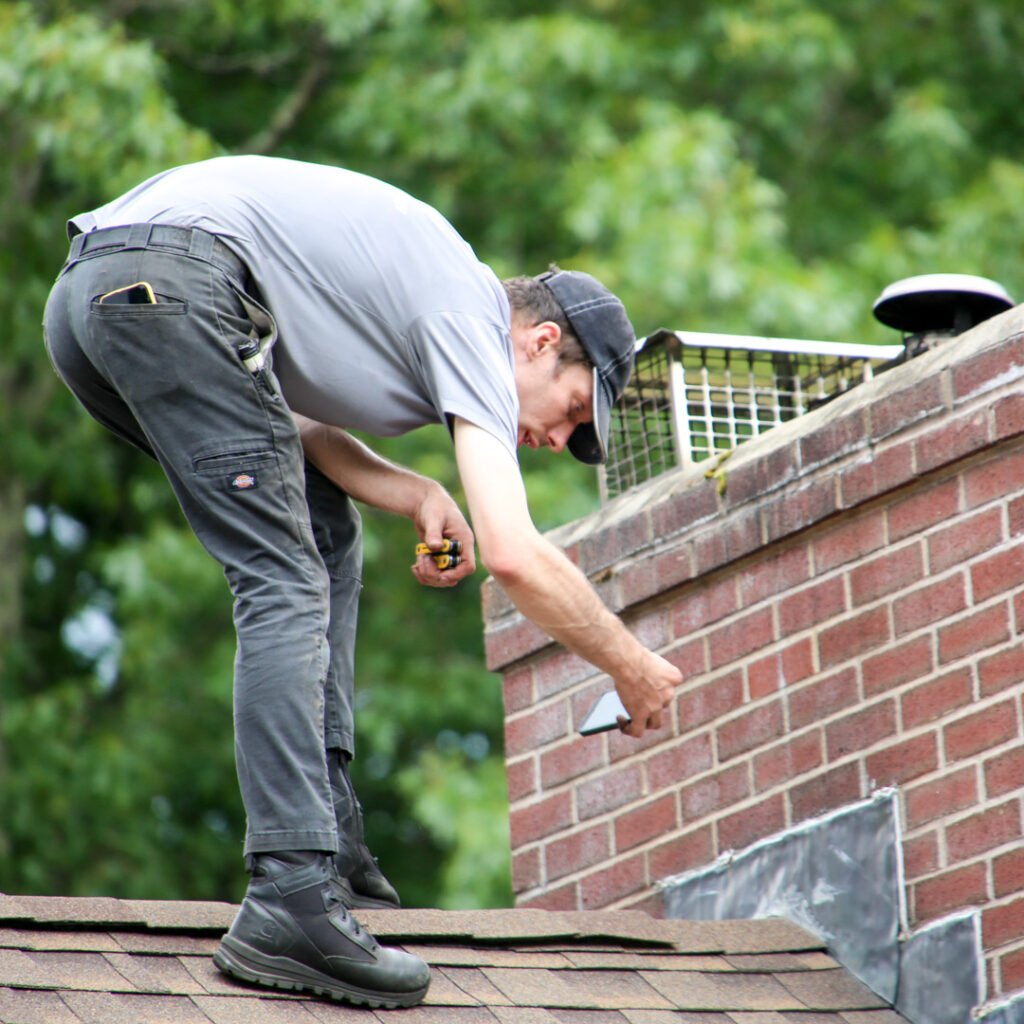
point(447, 556)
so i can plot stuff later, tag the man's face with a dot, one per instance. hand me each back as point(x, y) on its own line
point(553, 399)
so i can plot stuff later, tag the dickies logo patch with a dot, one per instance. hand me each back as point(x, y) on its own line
point(243, 482)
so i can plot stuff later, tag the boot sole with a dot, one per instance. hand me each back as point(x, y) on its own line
point(245, 963)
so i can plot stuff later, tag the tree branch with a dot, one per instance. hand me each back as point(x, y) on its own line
point(293, 105)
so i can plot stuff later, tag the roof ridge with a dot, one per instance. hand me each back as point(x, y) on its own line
point(522, 926)
point(77, 912)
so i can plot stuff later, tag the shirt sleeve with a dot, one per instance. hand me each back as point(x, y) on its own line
point(468, 370)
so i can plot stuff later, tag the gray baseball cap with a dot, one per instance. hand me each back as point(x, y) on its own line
point(600, 322)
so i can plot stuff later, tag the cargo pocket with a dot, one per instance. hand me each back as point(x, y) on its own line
point(236, 464)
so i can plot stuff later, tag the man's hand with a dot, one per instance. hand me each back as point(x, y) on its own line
point(648, 694)
point(367, 477)
point(438, 517)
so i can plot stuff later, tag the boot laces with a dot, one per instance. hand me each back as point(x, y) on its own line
point(334, 900)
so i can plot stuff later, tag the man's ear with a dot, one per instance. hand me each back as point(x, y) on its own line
point(544, 336)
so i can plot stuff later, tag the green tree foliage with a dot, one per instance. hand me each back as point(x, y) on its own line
point(756, 166)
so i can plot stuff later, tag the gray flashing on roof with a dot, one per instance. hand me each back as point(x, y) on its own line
point(1009, 1012)
point(940, 967)
point(841, 877)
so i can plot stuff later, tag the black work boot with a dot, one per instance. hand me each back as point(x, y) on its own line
point(294, 932)
point(370, 889)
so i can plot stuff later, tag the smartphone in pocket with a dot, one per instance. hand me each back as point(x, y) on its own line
point(141, 293)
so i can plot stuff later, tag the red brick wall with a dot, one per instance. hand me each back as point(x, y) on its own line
point(847, 615)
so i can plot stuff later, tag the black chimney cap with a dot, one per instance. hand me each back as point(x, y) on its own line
point(940, 302)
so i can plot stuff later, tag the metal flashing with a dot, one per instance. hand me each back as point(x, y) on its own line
point(941, 974)
point(840, 876)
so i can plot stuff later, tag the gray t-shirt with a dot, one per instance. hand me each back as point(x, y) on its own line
point(387, 321)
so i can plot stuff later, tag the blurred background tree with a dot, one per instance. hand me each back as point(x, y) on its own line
point(756, 166)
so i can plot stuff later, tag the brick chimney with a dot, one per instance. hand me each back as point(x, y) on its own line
point(845, 599)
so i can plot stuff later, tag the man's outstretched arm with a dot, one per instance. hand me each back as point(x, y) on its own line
point(547, 588)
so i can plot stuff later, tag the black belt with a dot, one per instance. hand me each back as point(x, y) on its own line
point(191, 241)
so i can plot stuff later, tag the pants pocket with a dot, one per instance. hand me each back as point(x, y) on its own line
point(236, 463)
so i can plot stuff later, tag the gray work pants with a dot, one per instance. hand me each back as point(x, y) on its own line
point(168, 377)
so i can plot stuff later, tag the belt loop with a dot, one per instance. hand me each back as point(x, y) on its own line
point(77, 245)
point(201, 244)
point(138, 236)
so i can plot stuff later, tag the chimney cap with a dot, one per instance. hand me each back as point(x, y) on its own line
point(940, 302)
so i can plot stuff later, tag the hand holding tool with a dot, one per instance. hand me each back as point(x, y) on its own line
point(447, 556)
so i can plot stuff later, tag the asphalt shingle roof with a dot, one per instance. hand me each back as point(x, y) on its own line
point(108, 961)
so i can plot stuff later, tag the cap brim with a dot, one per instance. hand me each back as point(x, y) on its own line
point(589, 441)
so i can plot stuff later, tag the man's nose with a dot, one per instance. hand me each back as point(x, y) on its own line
point(559, 438)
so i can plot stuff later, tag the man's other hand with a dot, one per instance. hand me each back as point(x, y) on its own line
point(439, 518)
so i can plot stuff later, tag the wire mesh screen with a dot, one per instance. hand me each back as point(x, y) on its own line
point(642, 443)
point(693, 396)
